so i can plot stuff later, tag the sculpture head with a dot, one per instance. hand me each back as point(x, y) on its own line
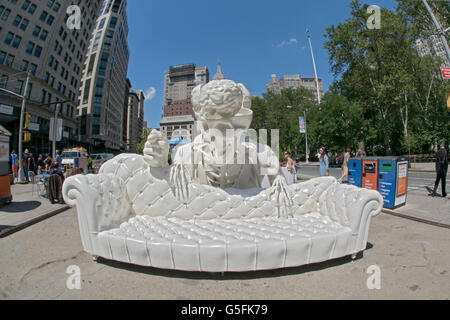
point(156, 150)
point(222, 105)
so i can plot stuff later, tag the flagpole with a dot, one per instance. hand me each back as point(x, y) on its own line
point(316, 79)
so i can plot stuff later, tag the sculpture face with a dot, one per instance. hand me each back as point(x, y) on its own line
point(156, 150)
point(222, 105)
point(217, 100)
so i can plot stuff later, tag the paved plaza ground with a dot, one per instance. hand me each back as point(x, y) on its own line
point(414, 259)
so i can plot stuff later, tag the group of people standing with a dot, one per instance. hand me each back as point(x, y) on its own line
point(324, 169)
point(30, 163)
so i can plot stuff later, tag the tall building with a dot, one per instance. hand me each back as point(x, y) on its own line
point(219, 75)
point(274, 85)
point(35, 36)
point(178, 112)
point(101, 108)
point(135, 120)
point(294, 81)
point(433, 46)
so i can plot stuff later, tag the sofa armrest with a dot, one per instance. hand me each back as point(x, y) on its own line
point(352, 207)
point(101, 202)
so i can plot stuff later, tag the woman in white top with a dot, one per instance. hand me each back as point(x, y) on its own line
point(290, 165)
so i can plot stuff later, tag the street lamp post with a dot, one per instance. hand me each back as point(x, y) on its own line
point(316, 79)
point(21, 177)
point(55, 131)
point(306, 138)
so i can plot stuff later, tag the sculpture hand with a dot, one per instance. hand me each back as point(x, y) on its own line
point(279, 193)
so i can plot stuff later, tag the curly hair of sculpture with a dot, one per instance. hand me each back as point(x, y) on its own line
point(208, 211)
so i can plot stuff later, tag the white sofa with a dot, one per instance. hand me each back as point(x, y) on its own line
point(129, 213)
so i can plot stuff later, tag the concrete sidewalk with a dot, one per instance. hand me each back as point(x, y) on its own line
point(27, 208)
point(413, 259)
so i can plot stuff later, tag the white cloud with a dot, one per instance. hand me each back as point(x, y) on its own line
point(289, 42)
point(149, 93)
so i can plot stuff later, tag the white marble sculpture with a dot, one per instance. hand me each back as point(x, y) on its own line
point(208, 212)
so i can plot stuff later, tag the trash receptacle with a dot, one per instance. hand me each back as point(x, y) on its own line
point(5, 189)
point(393, 181)
point(370, 173)
point(354, 172)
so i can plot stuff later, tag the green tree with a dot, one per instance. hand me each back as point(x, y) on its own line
point(380, 70)
point(141, 144)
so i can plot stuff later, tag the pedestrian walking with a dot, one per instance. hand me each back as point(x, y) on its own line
point(441, 170)
point(344, 168)
point(14, 164)
point(324, 163)
point(31, 164)
point(58, 158)
point(48, 163)
point(40, 165)
point(290, 166)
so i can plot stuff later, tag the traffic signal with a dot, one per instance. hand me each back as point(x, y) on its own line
point(26, 125)
point(26, 136)
point(448, 101)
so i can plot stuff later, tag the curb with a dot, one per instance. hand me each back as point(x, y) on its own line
point(7, 232)
point(405, 216)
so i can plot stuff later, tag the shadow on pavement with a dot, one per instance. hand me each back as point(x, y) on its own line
point(251, 275)
point(16, 207)
point(4, 228)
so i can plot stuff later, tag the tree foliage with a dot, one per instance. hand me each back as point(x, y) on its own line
point(385, 98)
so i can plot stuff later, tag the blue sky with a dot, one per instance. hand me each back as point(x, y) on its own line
point(253, 39)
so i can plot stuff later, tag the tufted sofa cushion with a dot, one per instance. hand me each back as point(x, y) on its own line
point(154, 197)
point(225, 245)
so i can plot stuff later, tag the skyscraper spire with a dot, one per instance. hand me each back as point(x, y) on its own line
point(219, 75)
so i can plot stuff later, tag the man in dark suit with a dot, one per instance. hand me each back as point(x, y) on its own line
point(441, 169)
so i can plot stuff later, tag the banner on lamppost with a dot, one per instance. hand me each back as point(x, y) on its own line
point(302, 124)
point(445, 73)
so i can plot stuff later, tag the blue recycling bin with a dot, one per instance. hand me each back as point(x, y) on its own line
point(393, 181)
point(355, 172)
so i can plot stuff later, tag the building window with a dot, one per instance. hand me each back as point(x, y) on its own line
point(2, 57)
point(9, 37)
point(44, 35)
point(16, 42)
point(32, 9)
point(87, 87)
point(17, 20)
point(50, 20)
point(30, 48)
point(38, 51)
point(33, 69)
point(24, 24)
point(3, 81)
point(19, 86)
point(113, 23)
point(5, 14)
point(43, 95)
point(43, 16)
point(25, 5)
point(36, 31)
point(56, 7)
point(10, 60)
point(102, 24)
point(99, 90)
point(24, 65)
